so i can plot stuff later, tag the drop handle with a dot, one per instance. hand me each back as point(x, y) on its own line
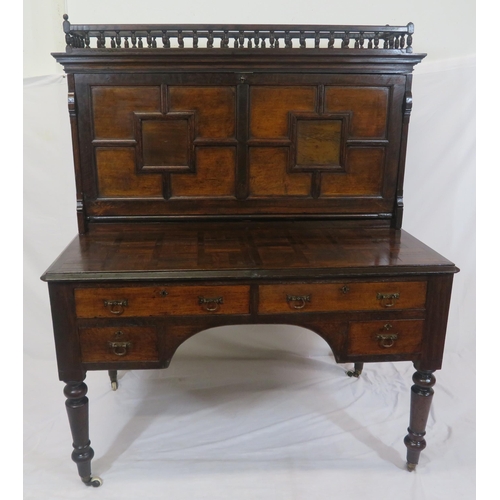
point(120, 348)
point(387, 340)
point(298, 301)
point(388, 299)
point(211, 304)
point(116, 306)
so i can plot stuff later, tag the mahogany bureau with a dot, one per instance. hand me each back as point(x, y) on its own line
point(235, 174)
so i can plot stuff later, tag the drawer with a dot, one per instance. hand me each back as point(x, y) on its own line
point(325, 297)
point(159, 301)
point(128, 343)
point(385, 337)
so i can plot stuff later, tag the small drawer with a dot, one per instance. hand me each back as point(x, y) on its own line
point(385, 337)
point(128, 343)
point(357, 296)
point(160, 301)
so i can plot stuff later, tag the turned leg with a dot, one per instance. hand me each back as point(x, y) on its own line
point(421, 398)
point(77, 406)
point(113, 376)
point(358, 369)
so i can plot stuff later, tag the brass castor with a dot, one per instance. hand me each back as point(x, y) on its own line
point(113, 377)
point(94, 481)
point(411, 467)
point(358, 369)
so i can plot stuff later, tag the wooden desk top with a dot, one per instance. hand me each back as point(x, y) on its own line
point(242, 250)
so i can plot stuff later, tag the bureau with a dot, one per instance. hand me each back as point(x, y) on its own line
point(231, 175)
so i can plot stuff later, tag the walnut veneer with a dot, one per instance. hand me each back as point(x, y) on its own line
point(241, 175)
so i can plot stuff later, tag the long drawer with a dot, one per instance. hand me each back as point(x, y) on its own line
point(157, 301)
point(357, 296)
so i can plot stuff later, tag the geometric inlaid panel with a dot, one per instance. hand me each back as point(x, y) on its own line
point(239, 142)
point(336, 134)
point(144, 135)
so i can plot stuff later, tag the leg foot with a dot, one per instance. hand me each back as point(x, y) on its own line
point(411, 467)
point(421, 398)
point(358, 369)
point(77, 407)
point(113, 376)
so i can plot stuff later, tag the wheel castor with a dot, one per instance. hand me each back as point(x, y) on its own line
point(94, 481)
point(113, 377)
point(358, 369)
point(411, 467)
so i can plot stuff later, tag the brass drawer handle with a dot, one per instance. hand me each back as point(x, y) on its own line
point(388, 298)
point(211, 303)
point(298, 301)
point(120, 348)
point(387, 340)
point(116, 306)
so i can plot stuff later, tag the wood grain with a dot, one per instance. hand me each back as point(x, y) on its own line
point(269, 108)
point(113, 109)
point(117, 175)
point(362, 337)
point(95, 344)
point(339, 297)
point(214, 177)
point(159, 301)
point(369, 108)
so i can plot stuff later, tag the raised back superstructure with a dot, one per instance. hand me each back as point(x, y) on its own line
point(238, 121)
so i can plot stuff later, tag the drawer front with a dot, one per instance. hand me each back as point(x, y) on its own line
point(159, 301)
point(385, 337)
point(128, 343)
point(325, 297)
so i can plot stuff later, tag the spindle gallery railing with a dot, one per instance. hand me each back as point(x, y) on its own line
point(394, 38)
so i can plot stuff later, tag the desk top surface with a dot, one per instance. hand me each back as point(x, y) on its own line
point(242, 250)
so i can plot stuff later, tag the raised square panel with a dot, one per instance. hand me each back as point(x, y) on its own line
point(318, 142)
point(165, 143)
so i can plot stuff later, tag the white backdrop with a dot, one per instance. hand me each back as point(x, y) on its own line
point(246, 412)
